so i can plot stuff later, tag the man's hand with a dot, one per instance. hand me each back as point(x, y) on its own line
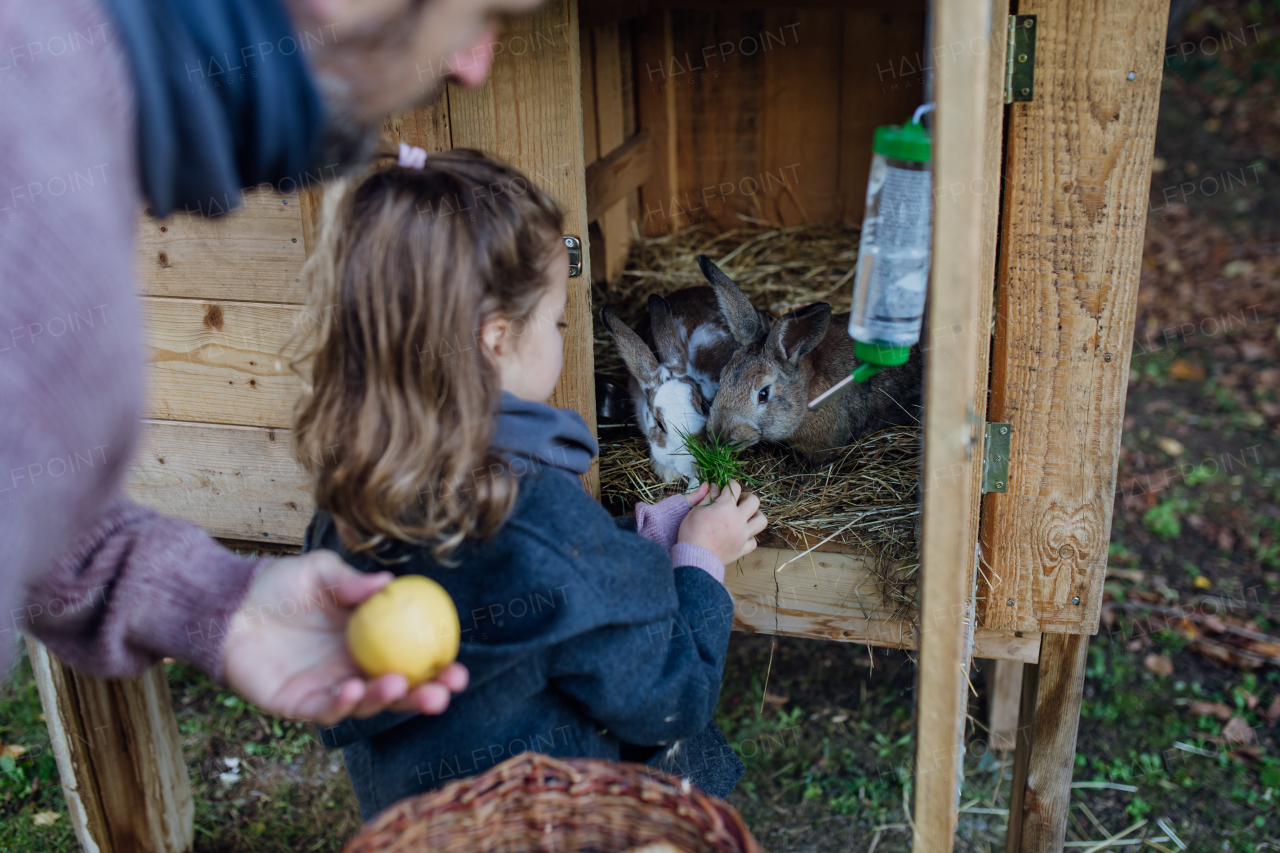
point(286, 650)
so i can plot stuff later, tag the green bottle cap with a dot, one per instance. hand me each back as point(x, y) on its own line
point(882, 355)
point(903, 142)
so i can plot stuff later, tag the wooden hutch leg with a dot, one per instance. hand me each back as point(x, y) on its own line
point(119, 755)
point(1045, 755)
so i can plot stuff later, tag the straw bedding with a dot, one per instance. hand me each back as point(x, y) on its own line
point(866, 495)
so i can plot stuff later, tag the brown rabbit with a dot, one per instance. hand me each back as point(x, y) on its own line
point(767, 385)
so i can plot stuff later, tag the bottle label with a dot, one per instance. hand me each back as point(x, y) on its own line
point(896, 254)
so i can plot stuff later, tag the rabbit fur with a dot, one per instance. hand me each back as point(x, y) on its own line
point(672, 390)
point(766, 387)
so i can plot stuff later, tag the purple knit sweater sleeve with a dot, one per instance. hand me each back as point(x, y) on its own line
point(660, 523)
point(109, 585)
point(135, 587)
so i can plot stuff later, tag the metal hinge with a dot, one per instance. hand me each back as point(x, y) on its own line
point(1020, 65)
point(995, 458)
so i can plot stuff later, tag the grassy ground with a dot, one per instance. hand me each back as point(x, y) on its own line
point(829, 749)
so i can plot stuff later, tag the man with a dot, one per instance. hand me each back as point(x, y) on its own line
point(105, 105)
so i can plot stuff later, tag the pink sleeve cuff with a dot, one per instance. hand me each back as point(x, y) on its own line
point(688, 554)
point(660, 522)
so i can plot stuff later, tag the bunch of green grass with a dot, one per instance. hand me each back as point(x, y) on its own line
point(716, 460)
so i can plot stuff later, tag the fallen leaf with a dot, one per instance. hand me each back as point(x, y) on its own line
point(775, 699)
point(1213, 623)
point(1212, 709)
point(1250, 701)
point(1251, 351)
point(1183, 369)
point(1226, 539)
point(1202, 582)
point(1131, 575)
point(839, 718)
point(1273, 712)
point(1261, 647)
point(1135, 644)
point(1171, 446)
point(45, 818)
point(1237, 731)
point(1235, 269)
point(1159, 664)
point(12, 750)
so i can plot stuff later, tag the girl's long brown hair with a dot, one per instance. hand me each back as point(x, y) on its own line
point(396, 414)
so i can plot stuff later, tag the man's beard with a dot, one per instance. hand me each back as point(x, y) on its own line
point(344, 145)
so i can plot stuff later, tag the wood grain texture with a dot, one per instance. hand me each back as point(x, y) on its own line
point(832, 596)
point(611, 128)
point(120, 757)
point(1075, 200)
point(1050, 756)
point(219, 362)
point(236, 482)
point(656, 113)
point(801, 116)
point(881, 83)
point(1021, 756)
point(1006, 697)
point(613, 178)
point(947, 553)
point(254, 254)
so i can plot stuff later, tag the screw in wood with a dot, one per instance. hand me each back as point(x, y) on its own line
point(1131, 76)
point(1022, 57)
point(1017, 633)
point(1108, 357)
point(1010, 602)
point(1075, 600)
point(999, 485)
point(1003, 430)
point(1026, 91)
point(1028, 23)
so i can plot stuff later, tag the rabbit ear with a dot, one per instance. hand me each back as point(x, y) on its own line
point(635, 352)
point(797, 332)
point(744, 321)
point(663, 327)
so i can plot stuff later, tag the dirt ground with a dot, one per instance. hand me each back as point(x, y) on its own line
point(1179, 723)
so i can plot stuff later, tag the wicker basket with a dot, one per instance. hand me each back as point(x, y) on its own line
point(532, 802)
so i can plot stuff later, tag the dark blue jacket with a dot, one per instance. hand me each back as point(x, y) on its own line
point(582, 641)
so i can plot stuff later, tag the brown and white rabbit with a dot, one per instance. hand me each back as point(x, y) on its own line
point(673, 389)
point(766, 387)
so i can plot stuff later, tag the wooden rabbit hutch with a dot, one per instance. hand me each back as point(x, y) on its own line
point(640, 117)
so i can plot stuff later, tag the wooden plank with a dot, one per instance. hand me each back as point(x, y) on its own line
point(800, 121)
point(611, 127)
point(219, 362)
point(881, 83)
point(656, 113)
point(1040, 806)
point(613, 178)
point(946, 553)
point(254, 254)
point(426, 127)
point(529, 112)
point(1021, 757)
point(828, 595)
point(119, 757)
point(1079, 168)
point(1006, 697)
point(236, 482)
point(720, 103)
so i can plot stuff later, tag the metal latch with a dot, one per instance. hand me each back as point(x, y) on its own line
point(995, 458)
point(574, 245)
point(1020, 65)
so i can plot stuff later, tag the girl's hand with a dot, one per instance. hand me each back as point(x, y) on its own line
point(728, 526)
point(298, 665)
point(700, 494)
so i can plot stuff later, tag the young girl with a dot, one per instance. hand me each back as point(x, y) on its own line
point(439, 296)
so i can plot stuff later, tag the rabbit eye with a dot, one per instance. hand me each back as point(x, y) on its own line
point(762, 396)
point(657, 417)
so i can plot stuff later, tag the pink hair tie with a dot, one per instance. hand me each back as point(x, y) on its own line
point(412, 157)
